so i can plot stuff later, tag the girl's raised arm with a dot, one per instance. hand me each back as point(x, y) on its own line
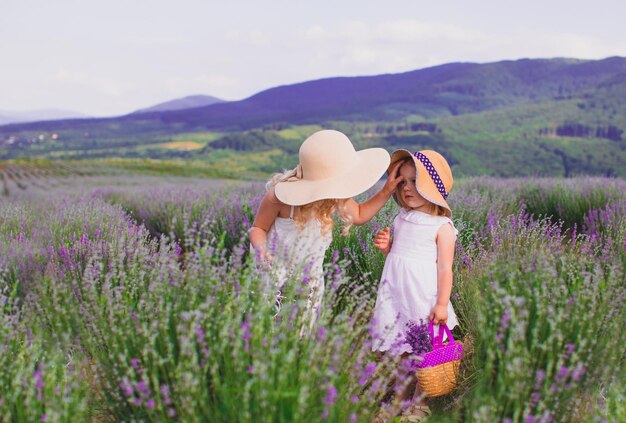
point(364, 212)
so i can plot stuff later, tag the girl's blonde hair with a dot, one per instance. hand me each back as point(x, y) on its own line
point(436, 209)
point(321, 210)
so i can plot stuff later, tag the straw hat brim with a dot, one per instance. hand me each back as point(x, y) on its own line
point(367, 168)
point(424, 183)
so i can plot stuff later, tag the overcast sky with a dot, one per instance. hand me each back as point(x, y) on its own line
point(111, 57)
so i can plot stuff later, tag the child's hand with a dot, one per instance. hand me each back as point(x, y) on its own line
point(266, 259)
point(382, 240)
point(392, 180)
point(439, 314)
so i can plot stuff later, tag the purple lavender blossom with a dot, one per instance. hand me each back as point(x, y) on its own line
point(331, 395)
point(367, 373)
point(578, 372)
point(143, 388)
point(134, 363)
point(245, 328)
point(200, 333)
point(127, 388)
point(562, 374)
point(417, 335)
point(38, 376)
point(321, 333)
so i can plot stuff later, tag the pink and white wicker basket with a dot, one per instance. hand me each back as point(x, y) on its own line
point(437, 372)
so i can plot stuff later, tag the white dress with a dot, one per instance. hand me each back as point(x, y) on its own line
point(408, 285)
point(298, 252)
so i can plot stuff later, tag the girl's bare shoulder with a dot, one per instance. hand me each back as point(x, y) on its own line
point(270, 196)
point(447, 231)
point(272, 201)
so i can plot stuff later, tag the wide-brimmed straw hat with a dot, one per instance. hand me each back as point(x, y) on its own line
point(331, 168)
point(434, 176)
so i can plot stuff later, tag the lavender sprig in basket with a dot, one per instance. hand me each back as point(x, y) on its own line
point(418, 337)
point(437, 371)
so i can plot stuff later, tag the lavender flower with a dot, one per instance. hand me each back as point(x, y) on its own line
point(134, 363)
point(331, 395)
point(367, 373)
point(38, 379)
point(417, 335)
point(321, 333)
point(127, 387)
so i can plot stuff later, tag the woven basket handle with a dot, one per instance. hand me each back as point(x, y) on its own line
point(439, 339)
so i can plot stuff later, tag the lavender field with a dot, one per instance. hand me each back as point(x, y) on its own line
point(138, 301)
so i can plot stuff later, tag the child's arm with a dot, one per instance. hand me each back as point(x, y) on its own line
point(364, 212)
point(265, 217)
point(446, 238)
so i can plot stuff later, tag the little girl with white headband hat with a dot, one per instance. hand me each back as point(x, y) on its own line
point(416, 281)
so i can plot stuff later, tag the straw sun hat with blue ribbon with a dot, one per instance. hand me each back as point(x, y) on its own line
point(434, 176)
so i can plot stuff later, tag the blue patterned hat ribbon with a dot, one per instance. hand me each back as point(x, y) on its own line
point(433, 173)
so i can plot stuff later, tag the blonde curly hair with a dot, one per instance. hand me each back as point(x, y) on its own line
point(321, 210)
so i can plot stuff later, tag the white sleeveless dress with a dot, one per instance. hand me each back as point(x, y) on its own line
point(298, 252)
point(408, 285)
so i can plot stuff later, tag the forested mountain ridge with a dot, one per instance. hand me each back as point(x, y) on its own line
point(523, 115)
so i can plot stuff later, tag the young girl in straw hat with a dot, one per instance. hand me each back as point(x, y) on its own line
point(293, 226)
point(417, 276)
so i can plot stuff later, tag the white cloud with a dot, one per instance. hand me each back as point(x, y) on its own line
point(104, 85)
point(358, 47)
point(411, 30)
point(402, 31)
point(315, 32)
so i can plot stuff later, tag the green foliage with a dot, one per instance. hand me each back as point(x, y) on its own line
point(114, 320)
point(566, 202)
point(37, 382)
point(547, 319)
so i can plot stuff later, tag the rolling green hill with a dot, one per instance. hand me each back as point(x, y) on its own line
point(528, 117)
